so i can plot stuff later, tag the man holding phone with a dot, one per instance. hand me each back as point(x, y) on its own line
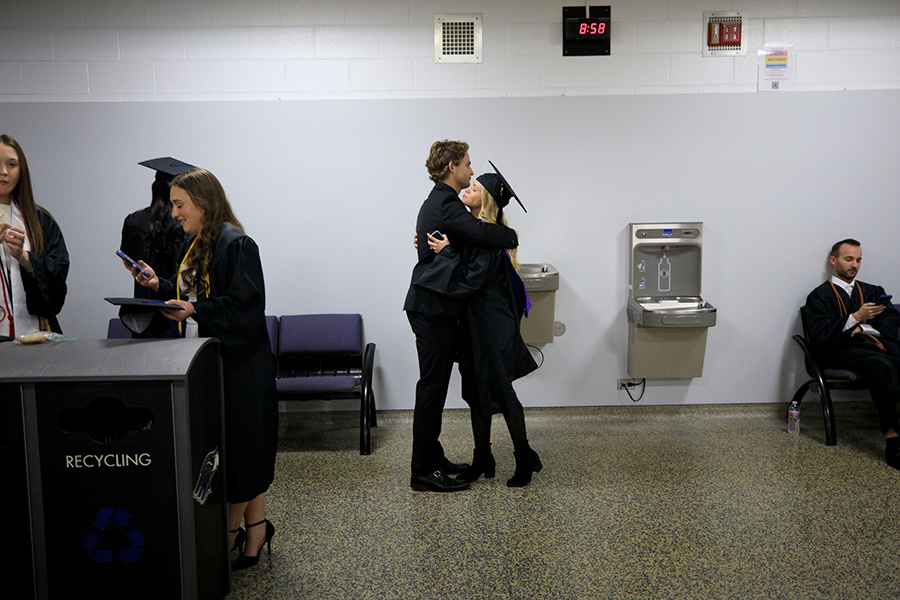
point(434, 318)
point(853, 325)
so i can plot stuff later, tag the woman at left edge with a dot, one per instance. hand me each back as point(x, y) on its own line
point(34, 262)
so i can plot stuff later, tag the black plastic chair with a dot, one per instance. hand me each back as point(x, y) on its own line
point(322, 357)
point(824, 379)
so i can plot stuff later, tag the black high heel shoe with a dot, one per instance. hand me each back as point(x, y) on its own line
point(482, 463)
point(527, 462)
point(239, 539)
point(245, 562)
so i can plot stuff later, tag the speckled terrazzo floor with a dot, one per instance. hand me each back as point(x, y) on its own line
point(633, 502)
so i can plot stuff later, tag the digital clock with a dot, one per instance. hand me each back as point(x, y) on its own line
point(587, 29)
point(586, 32)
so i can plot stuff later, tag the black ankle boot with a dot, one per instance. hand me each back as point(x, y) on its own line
point(527, 462)
point(482, 462)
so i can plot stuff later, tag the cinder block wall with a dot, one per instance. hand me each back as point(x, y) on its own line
point(157, 50)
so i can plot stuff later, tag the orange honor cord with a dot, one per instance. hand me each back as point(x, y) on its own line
point(861, 302)
point(877, 342)
point(840, 300)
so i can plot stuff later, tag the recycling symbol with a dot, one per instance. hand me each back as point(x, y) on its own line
point(115, 537)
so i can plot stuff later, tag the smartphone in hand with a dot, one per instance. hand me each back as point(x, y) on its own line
point(132, 262)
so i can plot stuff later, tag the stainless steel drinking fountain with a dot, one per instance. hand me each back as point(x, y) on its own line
point(668, 317)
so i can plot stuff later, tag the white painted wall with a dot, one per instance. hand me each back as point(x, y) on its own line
point(329, 180)
point(176, 50)
point(330, 190)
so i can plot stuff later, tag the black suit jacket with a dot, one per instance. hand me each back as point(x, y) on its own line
point(444, 211)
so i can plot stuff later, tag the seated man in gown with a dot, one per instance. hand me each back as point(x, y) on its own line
point(853, 325)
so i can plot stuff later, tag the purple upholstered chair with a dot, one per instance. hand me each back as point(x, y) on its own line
point(824, 379)
point(117, 330)
point(322, 357)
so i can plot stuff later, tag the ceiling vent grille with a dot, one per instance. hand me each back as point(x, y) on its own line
point(457, 38)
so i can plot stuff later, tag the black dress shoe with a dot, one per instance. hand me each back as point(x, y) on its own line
point(892, 452)
point(452, 468)
point(437, 482)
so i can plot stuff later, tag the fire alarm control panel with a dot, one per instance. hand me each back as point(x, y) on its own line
point(723, 34)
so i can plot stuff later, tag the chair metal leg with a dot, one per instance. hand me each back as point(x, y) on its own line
point(367, 401)
point(801, 391)
point(828, 413)
point(799, 394)
point(365, 441)
point(827, 409)
point(818, 381)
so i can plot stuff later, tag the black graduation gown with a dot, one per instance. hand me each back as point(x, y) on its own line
point(492, 353)
point(45, 292)
point(234, 312)
point(826, 323)
point(860, 352)
point(135, 243)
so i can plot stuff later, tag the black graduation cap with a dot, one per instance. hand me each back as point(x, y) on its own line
point(167, 165)
point(497, 185)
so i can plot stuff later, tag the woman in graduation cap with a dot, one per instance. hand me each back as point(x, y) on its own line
point(219, 285)
point(34, 262)
point(492, 353)
point(152, 235)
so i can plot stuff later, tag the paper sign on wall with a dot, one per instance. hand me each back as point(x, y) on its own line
point(776, 68)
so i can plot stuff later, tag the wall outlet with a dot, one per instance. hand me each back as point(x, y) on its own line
point(625, 384)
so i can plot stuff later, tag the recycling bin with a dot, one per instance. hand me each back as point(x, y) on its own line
point(116, 445)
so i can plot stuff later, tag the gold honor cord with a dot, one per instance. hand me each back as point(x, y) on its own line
point(178, 283)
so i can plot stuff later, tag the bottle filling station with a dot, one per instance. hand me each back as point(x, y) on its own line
point(668, 317)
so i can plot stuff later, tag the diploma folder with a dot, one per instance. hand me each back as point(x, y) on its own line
point(142, 304)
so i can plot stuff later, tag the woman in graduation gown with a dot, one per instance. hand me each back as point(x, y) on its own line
point(492, 353)
point(219, 284)
point(152, 235)
point(34, 262)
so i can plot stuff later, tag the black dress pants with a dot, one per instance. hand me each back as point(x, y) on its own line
point(436, 340)
point(882, 371)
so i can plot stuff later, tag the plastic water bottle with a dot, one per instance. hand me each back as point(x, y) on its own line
point(794, 417)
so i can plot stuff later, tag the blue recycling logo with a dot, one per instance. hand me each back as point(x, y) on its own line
point(116, 537)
